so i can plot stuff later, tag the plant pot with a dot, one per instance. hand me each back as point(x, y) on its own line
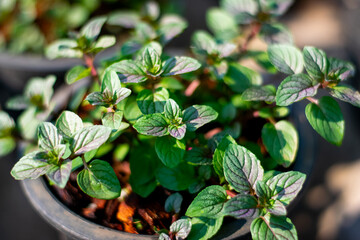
point(16, 70)
point(77, 227)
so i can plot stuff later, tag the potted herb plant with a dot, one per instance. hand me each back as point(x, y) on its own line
point(172, 146)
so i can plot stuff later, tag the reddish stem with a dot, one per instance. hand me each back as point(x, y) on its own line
point(255, 29)
point(89, 61)
point(231, 193)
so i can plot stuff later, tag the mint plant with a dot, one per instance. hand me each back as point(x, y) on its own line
point(200, 134)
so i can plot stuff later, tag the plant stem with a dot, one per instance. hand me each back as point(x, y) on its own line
point(89, 61)
point(313, 100)
point(86, 166)
point(255, 29)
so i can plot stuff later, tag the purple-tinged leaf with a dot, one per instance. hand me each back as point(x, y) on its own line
point(48, 136)
point(129, 71)
point(277, 208)
point(179, 65)
point(286, 58)
point(60, 174)
point(96, 99)
point(198, 115)
point(32, 166)
point(172, 109)
point(346, 94)
point(68, 124)
point(241, 168)
point(177, 131)
point(152, 124)
point(152, 101)
point(90, 138)
point(242, 206)
point(181, 228)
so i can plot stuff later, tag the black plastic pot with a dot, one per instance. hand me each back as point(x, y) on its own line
point(16, 70)
point(77, 227)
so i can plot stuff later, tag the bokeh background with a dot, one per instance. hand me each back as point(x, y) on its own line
point(329, 208)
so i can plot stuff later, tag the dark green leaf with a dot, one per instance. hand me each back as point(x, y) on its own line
point(326, 118)
point(219, 154)
point(295, 88)
point(173, 203)
point(171, 151)
point(316, 63)
point(260, 93)
point(68, 124)
point(96, 99)
point(222, 24)
point(198, 115)
point(204, 228)
point(129, 71)
point(143, 164)
point(346, 94)
point(152, 102)
point(285, 186)
point(286, 58)
point(242, 206)
point(240, 78)
point(181, 228)
point(90, 138)
point(172, 110)
point(198, 156)
point(112, 119)
point(110, 81)
point(264, 192)
point(273, 227)
point(153, 124)
point(241, 168)
point(32, 166)
point(99, 181)
point(208, 203)
point(179, 65)
point(176, 179)
point(77, 73)
point(60, 174)
point(281, 141)
point(340, 69)
point(48, 136)
point(151, 60)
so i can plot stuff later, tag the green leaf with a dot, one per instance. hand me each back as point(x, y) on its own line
point(198, 115)
point(152, 102)
point(7, 145)
point(110, 81)
point(240, 78)
point(242, 206)
point(203, 43)
point(219, 154)
point(204, 228)
point(171, 83)
point(178, 178)
point(121, 94)
point(124, 18)
point(32, 166)
point(243, 10)
point(340, 69)
point(260, 93)
point(151, 60)
point(326, 118)
point(68, 124)
point(153, 124)
point(90, 138)
point(286, 58)
point(171, 151)
point(150, 10)
point(281, 141)
point(129, 71)
point(286, 186)
point(273, 227)
point(96, 99)
point(177, 130)
point(77, 73)
point(277, 208)
point(222, 24)
point(40, 90)
point(170, 26)
point(241, 168)
point(112, 119)
point(92, 29)
point(28, 123)
point(60, 174)
point(198, 156)
point(164, 236)
point(295, 88)
point(173, 203)
point(99, 181)
point(179, 65)
point(275, 33)
point(346, 94)
point(7, 124)
point(48, 136)
point(264, 192)
point(172, 110)
point(208, 203)
point(63, 48)
point(17, 103)
point(316, 63)
point(105, 42)
point(181, 228)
